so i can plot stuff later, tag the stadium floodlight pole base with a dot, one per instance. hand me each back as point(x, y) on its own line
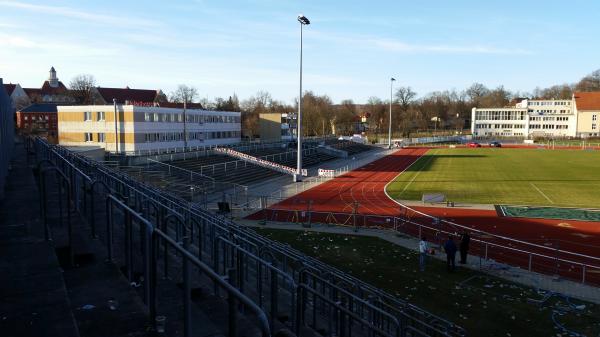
point(297, 178)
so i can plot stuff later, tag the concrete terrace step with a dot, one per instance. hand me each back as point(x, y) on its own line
point(33, 296)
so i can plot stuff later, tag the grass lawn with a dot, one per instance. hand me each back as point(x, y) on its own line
point(504, 176)
point(485, 305)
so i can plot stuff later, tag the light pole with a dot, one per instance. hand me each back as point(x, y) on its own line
point(116, 131)
point(185, 138)
point(298, 176)
point(390, 120)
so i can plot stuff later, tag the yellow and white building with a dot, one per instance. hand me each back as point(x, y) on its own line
point(143, 128)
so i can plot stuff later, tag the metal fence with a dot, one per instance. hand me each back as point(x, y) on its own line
point(207, 148)
point(544, 257)
point(259, 277)
point(7, 136)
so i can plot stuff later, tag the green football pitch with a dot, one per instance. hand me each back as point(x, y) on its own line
point(504, 176)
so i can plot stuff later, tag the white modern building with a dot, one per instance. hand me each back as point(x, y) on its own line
point(528, 118)
point(141, 128)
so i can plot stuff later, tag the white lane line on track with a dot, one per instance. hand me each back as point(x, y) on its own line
point(416, 175)
point(542, 193)
point(385, 204)
point(370, 195)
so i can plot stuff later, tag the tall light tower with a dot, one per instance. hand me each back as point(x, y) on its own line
point(298, 176)
point(116, 128)
point(390, 120)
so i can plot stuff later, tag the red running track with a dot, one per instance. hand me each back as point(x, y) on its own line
point(552, 247)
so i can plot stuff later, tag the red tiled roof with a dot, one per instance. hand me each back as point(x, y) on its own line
point(127, 94)
point(179, 105)
point(48, 90)
point(10, 88)
point(587, 100)
point(32, 91)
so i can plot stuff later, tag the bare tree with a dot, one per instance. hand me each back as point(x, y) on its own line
point(184, 94)
point(82, 89)
point(475, 92)
point(590, 83)
point(405, 96)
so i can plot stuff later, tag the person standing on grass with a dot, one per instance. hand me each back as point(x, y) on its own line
point(464, 247)
point(422, 253)
point(450, 248)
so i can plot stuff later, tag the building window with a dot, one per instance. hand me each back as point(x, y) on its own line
point(100, 115)
point(147, 117)
point(88, 137)
point(87, 116)
point(101, 137)
point(594, 126)
point(594, 117)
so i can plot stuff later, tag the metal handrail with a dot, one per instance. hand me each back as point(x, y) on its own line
point(191, 173)
point(299, 311)
point(141, 193)
point(206, 270)
point(406, 220)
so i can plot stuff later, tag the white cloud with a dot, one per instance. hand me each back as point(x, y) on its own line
point(80, 15)
point(398, 46)
point(17, 42)
point(394, 45)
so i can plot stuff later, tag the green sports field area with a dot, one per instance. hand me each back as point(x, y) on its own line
point(541, 177)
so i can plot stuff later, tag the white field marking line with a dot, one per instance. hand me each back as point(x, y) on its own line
point(542, 193)
point(529, 244)
point(416, 175)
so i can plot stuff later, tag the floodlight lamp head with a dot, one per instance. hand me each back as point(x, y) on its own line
point(303, 19)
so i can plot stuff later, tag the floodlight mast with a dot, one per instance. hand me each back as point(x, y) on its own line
point(390, 120)
point(298, 176)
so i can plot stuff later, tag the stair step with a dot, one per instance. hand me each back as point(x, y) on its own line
point(103, 302)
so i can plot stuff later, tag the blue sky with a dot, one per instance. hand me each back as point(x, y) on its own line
point(350, 50)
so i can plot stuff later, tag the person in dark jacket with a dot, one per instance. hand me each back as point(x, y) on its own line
point(450, 248)
point(464, 247)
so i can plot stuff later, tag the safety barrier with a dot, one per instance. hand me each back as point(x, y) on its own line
point(174, 236)
point(7, 135)
point(546, 258)
point(261, 162)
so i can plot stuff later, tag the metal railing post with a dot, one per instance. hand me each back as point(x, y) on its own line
point(109, 222)
point(232, 331)
point(187, 302)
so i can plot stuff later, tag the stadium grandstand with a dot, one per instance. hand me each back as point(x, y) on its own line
point(185, 271)
point(195, 174)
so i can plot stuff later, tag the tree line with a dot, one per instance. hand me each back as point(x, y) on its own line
point(442, 110)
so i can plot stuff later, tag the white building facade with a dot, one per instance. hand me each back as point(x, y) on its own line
point(528, 118)
point(143, 128)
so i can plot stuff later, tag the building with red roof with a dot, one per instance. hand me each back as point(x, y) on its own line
point(39, 119)
point(587, 106)
point(51, 91)
point(140, 97)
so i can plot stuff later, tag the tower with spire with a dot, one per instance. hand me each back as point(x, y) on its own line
point(53, 80)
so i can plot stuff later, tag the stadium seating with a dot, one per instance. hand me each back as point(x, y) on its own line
point(282, 290)
point(348, 146)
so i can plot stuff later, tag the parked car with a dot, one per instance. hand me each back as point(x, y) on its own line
point(473, 144)
point(495, 144)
